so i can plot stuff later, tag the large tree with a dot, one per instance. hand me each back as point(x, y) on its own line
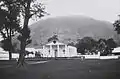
point(9, 11)
point(116, 25)
point(111, 44)
point(106, 46)
point(86, 45)
point(102, 46)
point(29, 9)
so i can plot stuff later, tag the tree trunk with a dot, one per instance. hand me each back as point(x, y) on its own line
point(21, 59)
point(21, 62)
point(11, 48)
point(10, 55)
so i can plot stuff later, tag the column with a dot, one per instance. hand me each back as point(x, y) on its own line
point(51, 51)
point(43, 52)
point(99, 54)
point(66, 52)
point(43, 47)
point(58, 53)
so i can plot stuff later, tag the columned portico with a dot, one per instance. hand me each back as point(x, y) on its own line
point(57, 49)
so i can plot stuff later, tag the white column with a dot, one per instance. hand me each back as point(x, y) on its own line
point(58, 53)
point(99, 54)
point(43, 51)
point(66, 52)
point(43, 47)
point(51, 50)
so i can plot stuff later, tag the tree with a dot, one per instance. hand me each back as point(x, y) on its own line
point(29, 9)
point(111, 44)
point(71, 44)
point(86, 45)
point(10, 23)
point(3, 14)
point(102, 47)
point(53, 38)
point(106, 46)
point(116, 25)
point(80, 47)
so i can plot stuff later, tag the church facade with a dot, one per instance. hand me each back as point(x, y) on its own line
point(58, 49)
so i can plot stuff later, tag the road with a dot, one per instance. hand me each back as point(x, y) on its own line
point(66, 69)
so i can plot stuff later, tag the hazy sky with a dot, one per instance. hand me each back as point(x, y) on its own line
point(98, 9)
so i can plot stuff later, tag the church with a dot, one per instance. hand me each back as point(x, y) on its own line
point(58, 49)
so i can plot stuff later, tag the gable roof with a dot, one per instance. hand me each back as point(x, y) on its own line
point(57, 43)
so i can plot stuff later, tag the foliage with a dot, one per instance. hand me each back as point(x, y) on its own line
point(11, 14)
point(102, 45)
point(111, 43)
point(3, 14)
point(6, 45)
point(85, 45)
point(28, 10)
point(116, 25)
point(71, 44)
point(54, 37)
point(9, 10)
point(106, 46)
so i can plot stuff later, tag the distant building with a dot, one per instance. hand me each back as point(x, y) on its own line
point(116, 51)
point(58, 49)
point(4, 55)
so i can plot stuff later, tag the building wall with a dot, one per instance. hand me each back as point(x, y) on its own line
point(72, 51)
point(63, 51)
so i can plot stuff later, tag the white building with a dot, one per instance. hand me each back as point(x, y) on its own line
point(4, 55)
point(58, 49)
point(116, 51)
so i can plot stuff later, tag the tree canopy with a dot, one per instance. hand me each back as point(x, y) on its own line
point(53, 38)
point(116, 25)
point(9, 11)
point(85, 44)
point(88, 45)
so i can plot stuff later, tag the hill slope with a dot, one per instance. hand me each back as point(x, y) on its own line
point(70, 27)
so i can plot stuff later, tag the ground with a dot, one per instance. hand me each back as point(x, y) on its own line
point(65, 69)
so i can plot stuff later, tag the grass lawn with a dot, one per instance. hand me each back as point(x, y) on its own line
point(66, 69)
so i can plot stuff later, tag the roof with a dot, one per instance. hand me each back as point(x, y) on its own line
point(72, 46)
point(2, 51)
point(116, 50)
point(57, 43)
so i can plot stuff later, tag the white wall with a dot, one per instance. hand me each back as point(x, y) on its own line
point(108, 57)
point(72, 51)
point(5, 56)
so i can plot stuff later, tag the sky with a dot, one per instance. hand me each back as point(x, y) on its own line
point(98, 9)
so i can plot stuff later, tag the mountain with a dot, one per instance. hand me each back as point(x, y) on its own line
point(70, 28)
